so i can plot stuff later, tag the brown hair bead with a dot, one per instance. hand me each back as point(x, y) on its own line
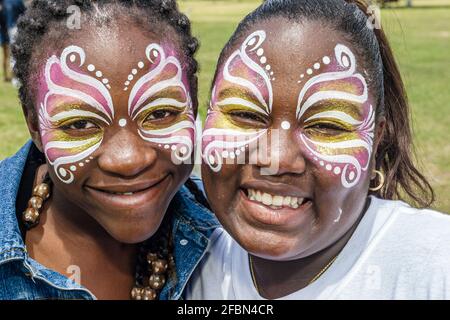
point(159, 266)
point(31, 216)
point(157, 281)
point(42, 190)
point(35, 202)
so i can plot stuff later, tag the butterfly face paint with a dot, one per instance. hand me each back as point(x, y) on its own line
point(164, 88)
point(338, 97)
point(244, 84)
point(75, 95)
point(72, 95)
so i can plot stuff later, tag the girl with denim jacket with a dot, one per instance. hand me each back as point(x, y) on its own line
point(97, 205)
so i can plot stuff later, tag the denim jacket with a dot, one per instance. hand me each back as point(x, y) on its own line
point(23, 278)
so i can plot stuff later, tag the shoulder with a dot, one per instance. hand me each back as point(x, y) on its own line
point(421, 237)
point(16, 162)
point(190, 207)
point(427, 223)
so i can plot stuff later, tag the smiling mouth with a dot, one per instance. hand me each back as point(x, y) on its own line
point(275, 202)
point(128, 190)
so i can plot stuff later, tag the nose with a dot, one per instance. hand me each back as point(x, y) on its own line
point(281, 154)
point(126, 154)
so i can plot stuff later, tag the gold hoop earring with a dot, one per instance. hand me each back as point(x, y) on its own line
point(381, 185)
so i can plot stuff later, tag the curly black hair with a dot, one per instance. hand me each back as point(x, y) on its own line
point(45, 21)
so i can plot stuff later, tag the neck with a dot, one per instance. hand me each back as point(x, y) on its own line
point(80, 240)
point(276, 279)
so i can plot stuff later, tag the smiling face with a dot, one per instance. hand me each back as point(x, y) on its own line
point(115, 122)
point(305, 185)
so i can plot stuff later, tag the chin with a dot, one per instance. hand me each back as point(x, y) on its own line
point(132, 234)
point(133, 229)
point(266, 243)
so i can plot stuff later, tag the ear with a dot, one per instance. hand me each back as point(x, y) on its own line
point(33, 126)
point(379, 136)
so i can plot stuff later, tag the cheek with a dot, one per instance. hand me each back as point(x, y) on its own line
point(225, 146)
point(344, 160)
point(67, 155)
point(178, 139)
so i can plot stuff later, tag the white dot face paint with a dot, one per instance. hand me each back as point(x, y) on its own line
point(179, 136)
point(285, 125)
point(349, 155)
point(67, 78)
point(62, 80)
point(122, 123)
point(219, 142)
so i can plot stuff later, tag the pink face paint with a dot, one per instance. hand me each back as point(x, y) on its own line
point(64, 84)
point(247, 69)
point(349, 155)
point(148, 94)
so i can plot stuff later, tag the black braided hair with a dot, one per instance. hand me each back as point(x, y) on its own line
point(349, 17)
point(45, 21)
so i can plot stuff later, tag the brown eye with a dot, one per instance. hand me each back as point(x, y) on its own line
point(327, 128)
point(80, 125)
point(248, 118)
point(162, 115)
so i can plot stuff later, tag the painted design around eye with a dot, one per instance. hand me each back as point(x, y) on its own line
point(65, 83)
point(166, 72)
point(347, 158)
point(246, 68)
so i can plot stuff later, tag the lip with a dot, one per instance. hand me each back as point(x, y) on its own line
point(143, 193)
point(280, 189)
point(284, 217)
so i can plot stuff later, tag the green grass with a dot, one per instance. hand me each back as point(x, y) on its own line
point(421, 41)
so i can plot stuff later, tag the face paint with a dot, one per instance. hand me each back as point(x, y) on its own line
point(151, 93)
point(248, 70)
point(71, 95)
point(348, 154)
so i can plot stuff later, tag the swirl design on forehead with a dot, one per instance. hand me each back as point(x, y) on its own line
point(261, 83)
point(347, 158)
point(240, 70)
point(165, 72)
point(63, 81)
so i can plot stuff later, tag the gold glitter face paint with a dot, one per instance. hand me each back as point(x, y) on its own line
point(166, 72)
point(76, 107)
point(63, 88)
point(244, 85)
point(346, 154)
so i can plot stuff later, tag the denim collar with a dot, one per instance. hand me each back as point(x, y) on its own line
point(11, 169)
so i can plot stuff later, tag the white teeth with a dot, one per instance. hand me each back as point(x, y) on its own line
point(294, 201)
point(123, 193)
point(267, 199)
point(274, 201)
point(277, 201)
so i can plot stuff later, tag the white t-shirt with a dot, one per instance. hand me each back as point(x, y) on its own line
point(396, 252)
